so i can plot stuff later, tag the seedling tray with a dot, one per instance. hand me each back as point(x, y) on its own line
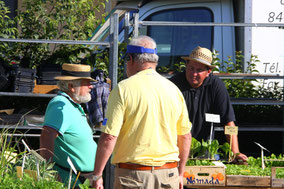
point(245, 180)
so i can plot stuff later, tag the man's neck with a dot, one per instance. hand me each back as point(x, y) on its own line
point(148, 65)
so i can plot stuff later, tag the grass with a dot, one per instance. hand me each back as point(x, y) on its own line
point(11, 157)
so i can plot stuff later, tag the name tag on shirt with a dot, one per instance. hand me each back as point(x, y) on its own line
point(214, 118)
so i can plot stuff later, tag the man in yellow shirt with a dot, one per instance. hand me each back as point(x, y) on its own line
point(147, 126)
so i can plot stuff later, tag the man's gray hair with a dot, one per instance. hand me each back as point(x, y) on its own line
point(63, 84)
point(146, 42)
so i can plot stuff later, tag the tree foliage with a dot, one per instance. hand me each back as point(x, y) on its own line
point(7, 30)
point(55, 20)
point(250, 89)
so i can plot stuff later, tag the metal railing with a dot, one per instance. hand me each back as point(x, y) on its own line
point(163, 23)
point(252, 101)
point(66, 42)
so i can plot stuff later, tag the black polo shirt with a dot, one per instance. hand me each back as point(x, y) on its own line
point(211, 97)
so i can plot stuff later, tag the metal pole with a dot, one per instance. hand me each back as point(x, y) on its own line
point(136, 24)
point(67, 42)
point(248, 76)
point(164, 23)
point(248, 33)
point(211, 133)
point(113, 66)
point(126, 37)
point(113, 52)
point(126, 26)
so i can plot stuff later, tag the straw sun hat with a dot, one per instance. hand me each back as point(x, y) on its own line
point(75, 71)
point(201, 55)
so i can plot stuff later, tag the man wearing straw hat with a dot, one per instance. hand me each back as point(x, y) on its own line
point(66, 132)
point(147, 126)
point(205, 93)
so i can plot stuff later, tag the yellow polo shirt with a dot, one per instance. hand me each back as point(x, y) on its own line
point(146, 112)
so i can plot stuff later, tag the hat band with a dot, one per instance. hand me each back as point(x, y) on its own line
point(202, 61)
point(140, 50)
point(75, 74)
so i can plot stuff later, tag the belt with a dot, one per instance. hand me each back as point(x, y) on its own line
point(144, 167)
point(68, 169)
point(83, 175)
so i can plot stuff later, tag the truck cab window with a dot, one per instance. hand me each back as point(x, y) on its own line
point(173, 42)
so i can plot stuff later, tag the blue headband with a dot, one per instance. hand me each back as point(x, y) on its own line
point(140, 50)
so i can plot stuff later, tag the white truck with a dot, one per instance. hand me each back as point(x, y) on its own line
point(251, 26)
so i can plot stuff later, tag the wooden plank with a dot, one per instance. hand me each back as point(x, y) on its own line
point(44, 89)
point(204, 176)
point(243, 180)
point(275, 182)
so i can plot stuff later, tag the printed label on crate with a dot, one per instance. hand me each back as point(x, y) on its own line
point(212, 181)
point(204, 175)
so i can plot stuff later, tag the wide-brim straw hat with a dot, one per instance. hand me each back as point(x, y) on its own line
point(201, 55)
point(74, 72)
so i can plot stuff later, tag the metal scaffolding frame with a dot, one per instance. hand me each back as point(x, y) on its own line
point(113, 57)
point(113, 42)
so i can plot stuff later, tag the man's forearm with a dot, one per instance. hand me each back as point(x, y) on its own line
point(184, 143)
point(234, 140)
point(235, 144)
point(104, 151)
point(47, 138)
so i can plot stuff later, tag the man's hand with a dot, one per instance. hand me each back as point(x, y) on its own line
point(180, 182)
point(98, 184)
point(241, 159)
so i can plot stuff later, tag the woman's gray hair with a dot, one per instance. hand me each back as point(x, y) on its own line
point(63, 84)
point(146, 42)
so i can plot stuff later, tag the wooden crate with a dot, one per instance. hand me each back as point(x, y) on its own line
point(275, 182)
point(244, 180)
point(204, 176)
point(44, 89)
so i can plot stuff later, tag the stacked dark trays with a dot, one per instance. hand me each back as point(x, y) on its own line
point(3, 77)
point(47, 73)
point(24, 80)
